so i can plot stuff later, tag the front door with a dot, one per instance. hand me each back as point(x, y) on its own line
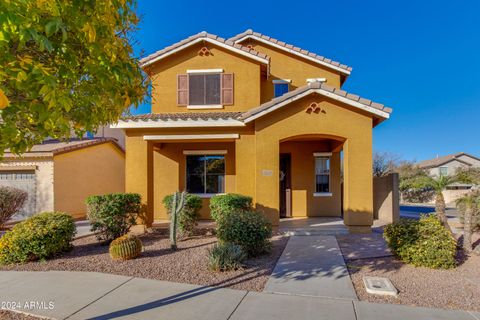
point(285, 185)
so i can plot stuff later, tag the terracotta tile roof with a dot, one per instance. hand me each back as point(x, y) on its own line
point(303, 52)
point(313, 86)
point(54, 147)
point(185, 116)
point(202, 35)
point(443, 160)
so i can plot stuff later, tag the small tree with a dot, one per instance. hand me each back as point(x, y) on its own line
point(384, 163)
point(439, 184)
point(65, 66)
point(11, 201)
point(469, 205)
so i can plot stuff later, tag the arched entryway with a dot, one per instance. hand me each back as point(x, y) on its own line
point(310, 176)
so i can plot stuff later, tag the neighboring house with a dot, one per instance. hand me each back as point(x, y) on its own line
point(256, 116)
point(448, 165)
point(61, 175)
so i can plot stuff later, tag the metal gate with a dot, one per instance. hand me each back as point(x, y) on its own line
point(24, 180)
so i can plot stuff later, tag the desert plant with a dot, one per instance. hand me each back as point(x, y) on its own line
point(37, 238)
point(112, 215)
point(225, 257)
point(223, 204)
point(125, 248)
point(424, 242)
point(189, 215)
point(11, 201)
point(439, 184)
point(249, 229)
point(469, 205)
point(178, 203)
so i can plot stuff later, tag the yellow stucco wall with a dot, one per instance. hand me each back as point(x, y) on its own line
point(164, 77)
point(170, 172)
point(284, 65)
point(334, 121)
point(98, 169)
point(304, 204)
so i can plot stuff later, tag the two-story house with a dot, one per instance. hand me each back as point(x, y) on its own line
point(256, 116)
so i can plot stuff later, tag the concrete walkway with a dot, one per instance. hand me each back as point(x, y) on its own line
point(312, 266)
point(84, 295)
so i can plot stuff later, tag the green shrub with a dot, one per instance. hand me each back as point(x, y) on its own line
point(125, 248)
point(225, 257)
point(11, 201)
point(37, 238)
point(112, 215)
point(189, 216)
point(249, 229)
point(223, 204)
point(424, 243)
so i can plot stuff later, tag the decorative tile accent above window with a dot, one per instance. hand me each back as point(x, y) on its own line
point(314, 107)
point(204, 51)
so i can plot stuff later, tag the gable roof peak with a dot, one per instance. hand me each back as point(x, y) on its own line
point(208, 37)
point(249, 33)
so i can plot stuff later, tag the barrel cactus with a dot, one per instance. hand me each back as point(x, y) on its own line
point(125, 247)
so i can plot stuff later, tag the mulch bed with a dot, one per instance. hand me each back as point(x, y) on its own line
point(457, 288)
point(187, 265)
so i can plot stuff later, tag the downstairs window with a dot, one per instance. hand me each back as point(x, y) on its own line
point(206, 174)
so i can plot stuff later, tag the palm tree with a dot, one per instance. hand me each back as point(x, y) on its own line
point(439, 184)
point(469, 205)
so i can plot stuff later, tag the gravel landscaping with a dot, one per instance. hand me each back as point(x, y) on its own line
point(12, 315)
point(188, 264)
point(457, 288)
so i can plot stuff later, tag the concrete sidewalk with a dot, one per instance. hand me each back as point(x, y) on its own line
point(312, 266)
point(85, 295)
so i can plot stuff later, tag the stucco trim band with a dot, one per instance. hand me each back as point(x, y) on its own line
point(192, 136)
point(204, 152)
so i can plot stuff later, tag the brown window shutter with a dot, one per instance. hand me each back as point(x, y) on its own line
point(182, 89)
point(227, 89)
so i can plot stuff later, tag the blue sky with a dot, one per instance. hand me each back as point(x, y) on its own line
point(422, 58)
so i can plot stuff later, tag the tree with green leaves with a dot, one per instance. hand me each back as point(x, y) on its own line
point(438, 184)
point(469, 205)
point(65, 66)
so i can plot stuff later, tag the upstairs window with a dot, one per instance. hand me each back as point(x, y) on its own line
point(443, 171)
point(322, 173)
point(280, 87)
point(203, 89)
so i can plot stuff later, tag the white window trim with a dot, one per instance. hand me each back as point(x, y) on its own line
point(204, 152)
point(201, 106)
point(207, 195)
point(281, 81)
point(322, 154)
point(203, 71)
point(322, 194)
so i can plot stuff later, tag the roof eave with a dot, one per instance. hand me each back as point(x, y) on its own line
point(344, 72)
point(146, 62)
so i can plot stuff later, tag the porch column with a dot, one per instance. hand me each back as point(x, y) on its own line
point(267, 177)
point(139, 173)
point(245, 165)
point(358, 184)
